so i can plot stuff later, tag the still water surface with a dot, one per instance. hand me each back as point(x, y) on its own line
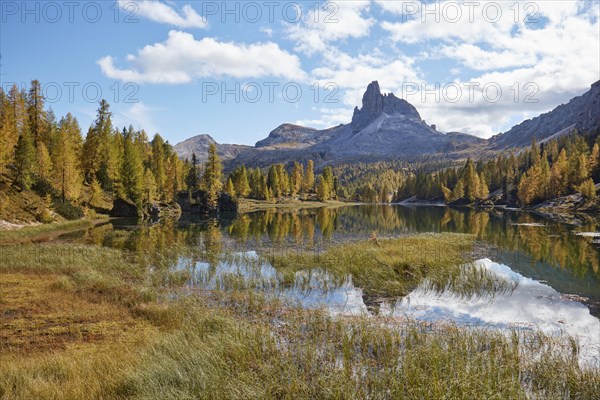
point(555, 266)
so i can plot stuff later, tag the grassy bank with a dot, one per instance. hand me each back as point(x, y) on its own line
point(42, 230)
point(88, 322)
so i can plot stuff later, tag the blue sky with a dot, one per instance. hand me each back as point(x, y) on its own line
point(189, 67)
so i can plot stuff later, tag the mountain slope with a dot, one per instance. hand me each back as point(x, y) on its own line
point(384, 128)
point(389, 128)
point(581, 113)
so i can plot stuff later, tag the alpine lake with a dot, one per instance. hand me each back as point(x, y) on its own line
point(547, 273)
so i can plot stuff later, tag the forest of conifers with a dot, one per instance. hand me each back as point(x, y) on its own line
point(53, 157)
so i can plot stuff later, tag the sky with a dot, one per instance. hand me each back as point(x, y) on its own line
point(238, 69)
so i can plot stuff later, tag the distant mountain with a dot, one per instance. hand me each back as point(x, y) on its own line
point(384, 128)
point(200, 144)
point(389, 128)
point(581, 113)
point(291, 136)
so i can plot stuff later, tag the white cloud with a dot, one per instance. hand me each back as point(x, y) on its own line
point(163, 13)
point(329, 117)
point(352, 74)
point(560, 55)
point(333, 21)
point(181, 59)
point(139, 115)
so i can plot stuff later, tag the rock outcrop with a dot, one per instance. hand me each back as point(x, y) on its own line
point(197, 203)
point(124, 208)
point(160, 210)
point(374, 104)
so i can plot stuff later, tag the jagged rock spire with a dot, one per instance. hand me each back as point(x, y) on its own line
point(374, 104)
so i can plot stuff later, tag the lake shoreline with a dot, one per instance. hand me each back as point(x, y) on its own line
point(43, 232)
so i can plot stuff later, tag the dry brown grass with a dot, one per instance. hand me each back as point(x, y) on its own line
point(36, 316)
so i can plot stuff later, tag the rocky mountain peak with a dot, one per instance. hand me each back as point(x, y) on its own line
point(374, 104)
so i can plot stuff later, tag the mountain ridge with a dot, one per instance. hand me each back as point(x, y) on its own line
point(389, 128)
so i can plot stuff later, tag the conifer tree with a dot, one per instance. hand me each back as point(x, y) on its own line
point(296, 179)
point(471, 181)
point(459, 191)
point(43, 162)
point(328, 176)
point(149, 186)
point(230, 190)
point(158, 161)
point(193, 179)
point(309, 177)
point(594, 162)
point(8, 136)
point(323, 189)
point(241, 184)
point(98, 159)
point(132, 170)
point(66, 148)
point(95, 191)
point(36, 113)
point(24, 161)
point(484, 191)
point(559, 175)
point(588, 189)
point(273, 181)
point(211, 179)
point(173, 182)
point(283, 179)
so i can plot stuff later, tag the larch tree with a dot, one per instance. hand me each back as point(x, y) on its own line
point(132, 170)
point(594, 162)
point(284, 180)
point(229, 189)
point(309, 177)
point(211, 180)
point(296, 178)
point(66, 148)
point(328, 176)
point(559, 175)
point(150, 189)
point(241, 184)
point(323, 189)
point(43, 162)
point(8, 136)
point(24, 160)
point(98, 158)
point(158, 161)
point(273, 181)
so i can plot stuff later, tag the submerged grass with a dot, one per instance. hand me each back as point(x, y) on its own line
point(128, 341)
point(392, 267)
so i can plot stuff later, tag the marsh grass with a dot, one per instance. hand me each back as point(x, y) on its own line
point(471, 281)
point(242, 344)
point(393, 267)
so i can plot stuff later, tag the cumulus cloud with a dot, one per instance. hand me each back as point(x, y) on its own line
point(181, 59)
point(163, 13)
point(332, 22)
point(557, 58)
point(329, 117)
